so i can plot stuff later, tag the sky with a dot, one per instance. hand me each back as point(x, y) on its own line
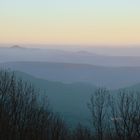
point(70, 21)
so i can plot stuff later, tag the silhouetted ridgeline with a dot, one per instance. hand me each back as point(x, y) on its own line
point(23, 117)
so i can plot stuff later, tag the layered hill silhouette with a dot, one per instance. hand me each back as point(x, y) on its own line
point(110, 77)
point(70, 100)
point(19, 53)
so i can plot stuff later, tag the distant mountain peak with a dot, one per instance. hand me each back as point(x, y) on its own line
point(17, 47)
point(86, 53)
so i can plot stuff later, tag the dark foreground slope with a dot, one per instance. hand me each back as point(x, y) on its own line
point(23, 117)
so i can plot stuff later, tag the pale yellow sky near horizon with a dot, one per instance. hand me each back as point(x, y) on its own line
point(70, 22)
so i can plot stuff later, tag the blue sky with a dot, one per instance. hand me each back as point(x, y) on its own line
point(70, 21)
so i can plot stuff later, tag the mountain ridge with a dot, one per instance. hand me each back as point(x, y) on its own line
point(110, 77)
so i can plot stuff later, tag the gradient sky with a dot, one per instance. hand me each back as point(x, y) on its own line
point(70, 21)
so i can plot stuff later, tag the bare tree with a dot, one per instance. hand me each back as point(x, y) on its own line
point(98, 108)
point(82, 133)
point(125, 110)
point(23, 116)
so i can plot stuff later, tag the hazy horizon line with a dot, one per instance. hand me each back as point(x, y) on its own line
point(72, 44)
